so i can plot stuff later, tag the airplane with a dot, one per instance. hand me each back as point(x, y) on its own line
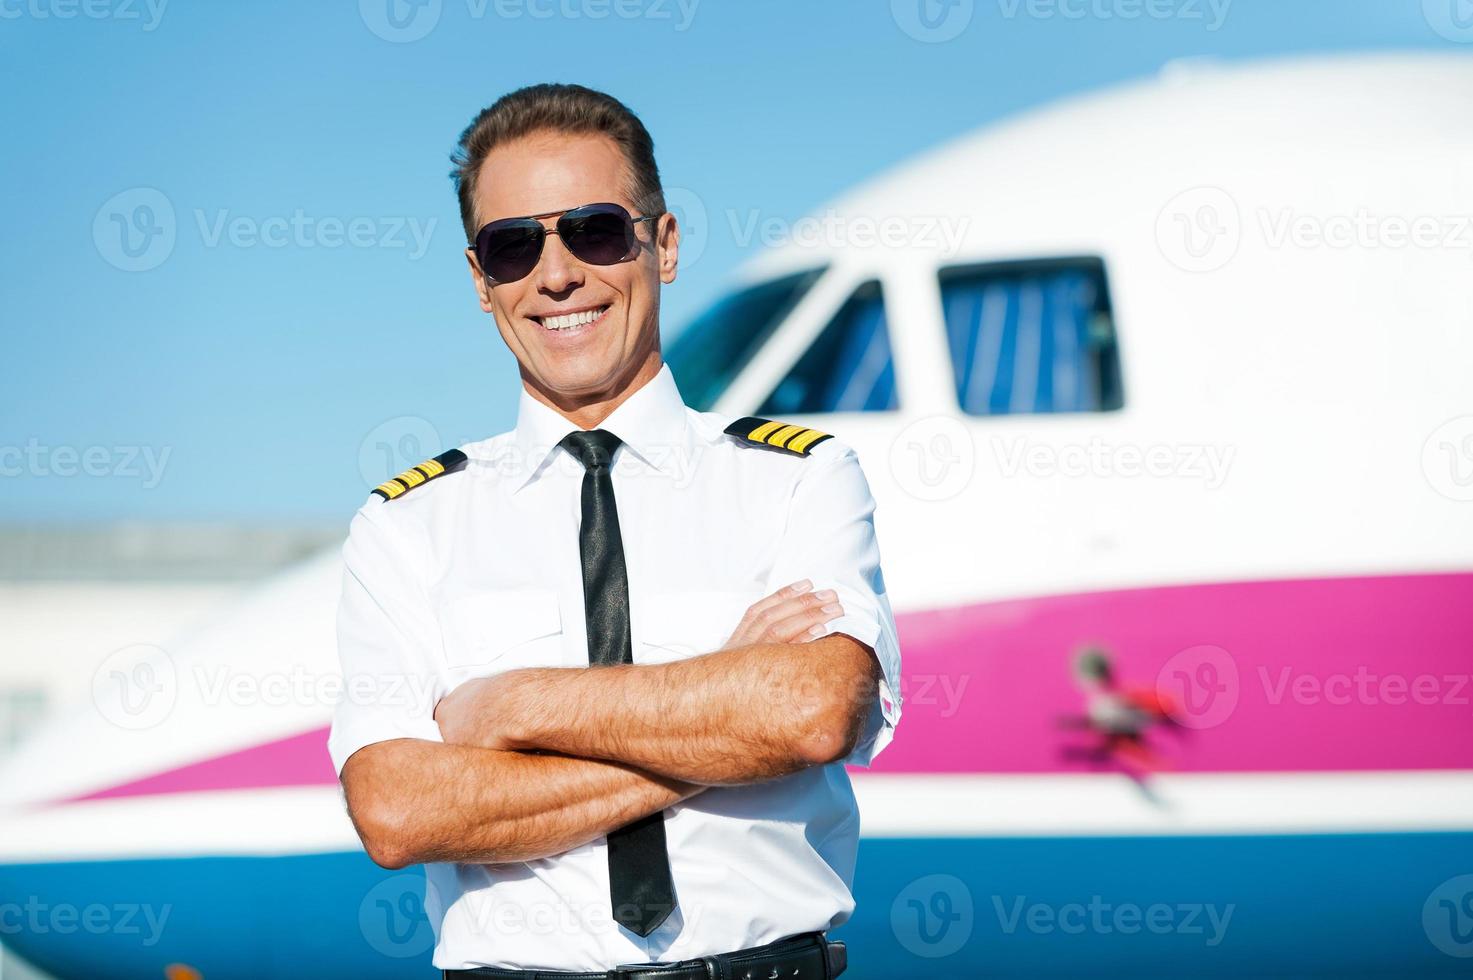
point(1163, 394)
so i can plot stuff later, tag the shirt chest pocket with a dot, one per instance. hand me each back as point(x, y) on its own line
point(488, 632)
point(677, 625)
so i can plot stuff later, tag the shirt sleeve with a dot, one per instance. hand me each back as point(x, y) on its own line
point(388, 640)
point(830, 540)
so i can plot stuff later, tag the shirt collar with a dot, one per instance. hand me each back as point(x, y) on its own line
point(651, 423)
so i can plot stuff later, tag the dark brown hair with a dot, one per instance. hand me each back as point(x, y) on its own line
point(556, 109)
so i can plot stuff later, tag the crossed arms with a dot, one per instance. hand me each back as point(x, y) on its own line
point(537, 761)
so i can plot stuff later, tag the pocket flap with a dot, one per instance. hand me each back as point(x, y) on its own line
point(687, 624)
point(484, 625)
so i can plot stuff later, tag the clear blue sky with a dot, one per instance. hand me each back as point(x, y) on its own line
point(252, 370)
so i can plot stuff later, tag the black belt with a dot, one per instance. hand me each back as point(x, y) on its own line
point(806, 956)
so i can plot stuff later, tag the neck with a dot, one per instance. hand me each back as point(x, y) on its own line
point(588, 410)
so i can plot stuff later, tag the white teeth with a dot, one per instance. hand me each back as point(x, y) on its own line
point(570, 320)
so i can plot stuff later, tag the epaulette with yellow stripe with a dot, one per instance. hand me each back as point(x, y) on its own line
point(796, 439)
point(415, 476)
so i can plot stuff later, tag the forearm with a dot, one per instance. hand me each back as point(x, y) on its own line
point(415, 801)
point(736, 716)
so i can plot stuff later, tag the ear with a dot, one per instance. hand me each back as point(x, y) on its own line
point(482, 284)
point(667, 246)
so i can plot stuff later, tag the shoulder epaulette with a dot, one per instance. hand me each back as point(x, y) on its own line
point(415, 476)
point(796, 439)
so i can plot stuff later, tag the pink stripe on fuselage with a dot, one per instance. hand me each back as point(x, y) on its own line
point(1331, 674)
point(300, 760)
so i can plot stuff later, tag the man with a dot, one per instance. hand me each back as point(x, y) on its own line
point(647, 638)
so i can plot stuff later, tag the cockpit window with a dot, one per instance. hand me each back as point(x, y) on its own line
point(709, 353)
point(848, 368)
point(1032, 337)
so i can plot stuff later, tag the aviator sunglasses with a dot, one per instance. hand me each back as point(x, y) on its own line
point(599, 234)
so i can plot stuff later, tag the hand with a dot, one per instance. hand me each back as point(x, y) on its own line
point(469, 715)
point(792, 614)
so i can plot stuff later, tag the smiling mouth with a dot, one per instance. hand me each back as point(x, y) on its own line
point(572, 321)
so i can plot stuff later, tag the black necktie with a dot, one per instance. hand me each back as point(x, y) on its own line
point(640, 888)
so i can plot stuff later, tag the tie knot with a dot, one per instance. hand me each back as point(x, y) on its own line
point(594, 448)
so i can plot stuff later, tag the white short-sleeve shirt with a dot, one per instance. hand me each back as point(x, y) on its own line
point(477, 571)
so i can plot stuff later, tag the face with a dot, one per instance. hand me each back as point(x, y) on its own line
point(619, 347)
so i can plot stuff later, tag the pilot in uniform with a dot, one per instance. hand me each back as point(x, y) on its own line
point(476, 563)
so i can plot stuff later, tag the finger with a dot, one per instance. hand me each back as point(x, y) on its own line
point(785, 607)
point(805, 624)
point(792, 606)
point(787, 593)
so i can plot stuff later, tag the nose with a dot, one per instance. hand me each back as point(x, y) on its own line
point(558, 271)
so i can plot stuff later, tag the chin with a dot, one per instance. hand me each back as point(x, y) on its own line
point(578, 376)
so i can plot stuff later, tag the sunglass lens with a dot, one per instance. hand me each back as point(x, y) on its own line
point(599, 235)
point(509, 253)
